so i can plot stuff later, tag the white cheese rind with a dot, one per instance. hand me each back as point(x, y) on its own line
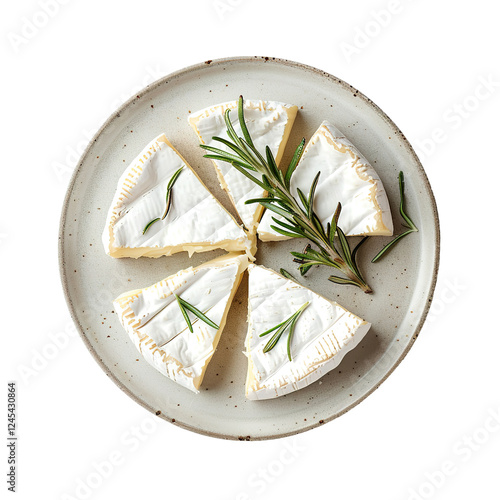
point(196, 222)
point(269, 124)
point(346, 177)
point(324, 333)
point(155, 324)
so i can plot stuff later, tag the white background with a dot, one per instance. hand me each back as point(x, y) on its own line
point(425, 64)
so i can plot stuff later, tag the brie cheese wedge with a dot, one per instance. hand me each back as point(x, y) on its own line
point(154, 321)
point(196, 221)
point(269, 124)
point(346, 177)
point(323, 334)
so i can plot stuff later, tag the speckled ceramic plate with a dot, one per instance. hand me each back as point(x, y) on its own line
point(403, 282)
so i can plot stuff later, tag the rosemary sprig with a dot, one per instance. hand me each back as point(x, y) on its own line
point(286, 274)
point(300, 220)
point(185, 306)
point(409, 223)
point(168, 200)
point(288, 323)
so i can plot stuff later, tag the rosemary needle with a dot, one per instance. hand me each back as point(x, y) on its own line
point(286, 274)
point(168, 200)
point(184, 313)
point(168, 196)
point(281, 328)
point(149, 224)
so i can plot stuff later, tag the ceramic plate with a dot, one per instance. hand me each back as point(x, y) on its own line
point(403, 282)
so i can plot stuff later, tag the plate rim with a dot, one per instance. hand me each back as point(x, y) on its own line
point(184, 71)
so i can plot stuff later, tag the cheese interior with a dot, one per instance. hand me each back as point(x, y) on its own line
point(154, 321)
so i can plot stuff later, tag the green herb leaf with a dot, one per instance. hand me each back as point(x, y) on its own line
point(243, 125)
point(354, 253)
point(267, 332)
point(168, 203)
point(279, 230)
point(184, 313)
point(277, 210)
point(252, 152)
point(173, 179)
point(303, 268)
point(262, 200)
point(286, 274)
point(302, 256)
point(281, 328)
point(295, 229)
point(318, 225)
point(333, 225)
point(402, 202)
point(168, 196)
point(294, 162)
point(290, 336)
point(344, 245)
point(221, 155)
point(391, 244)
point(310, 200)
point(238, 162)
point(305, 203)
point(168, 200)
point(184, 305)
point(357, 247)
point(272, 164)
point(275, 338)
point(341, 281)
point(250, 176)
point(149, 224)
point(243, 156)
